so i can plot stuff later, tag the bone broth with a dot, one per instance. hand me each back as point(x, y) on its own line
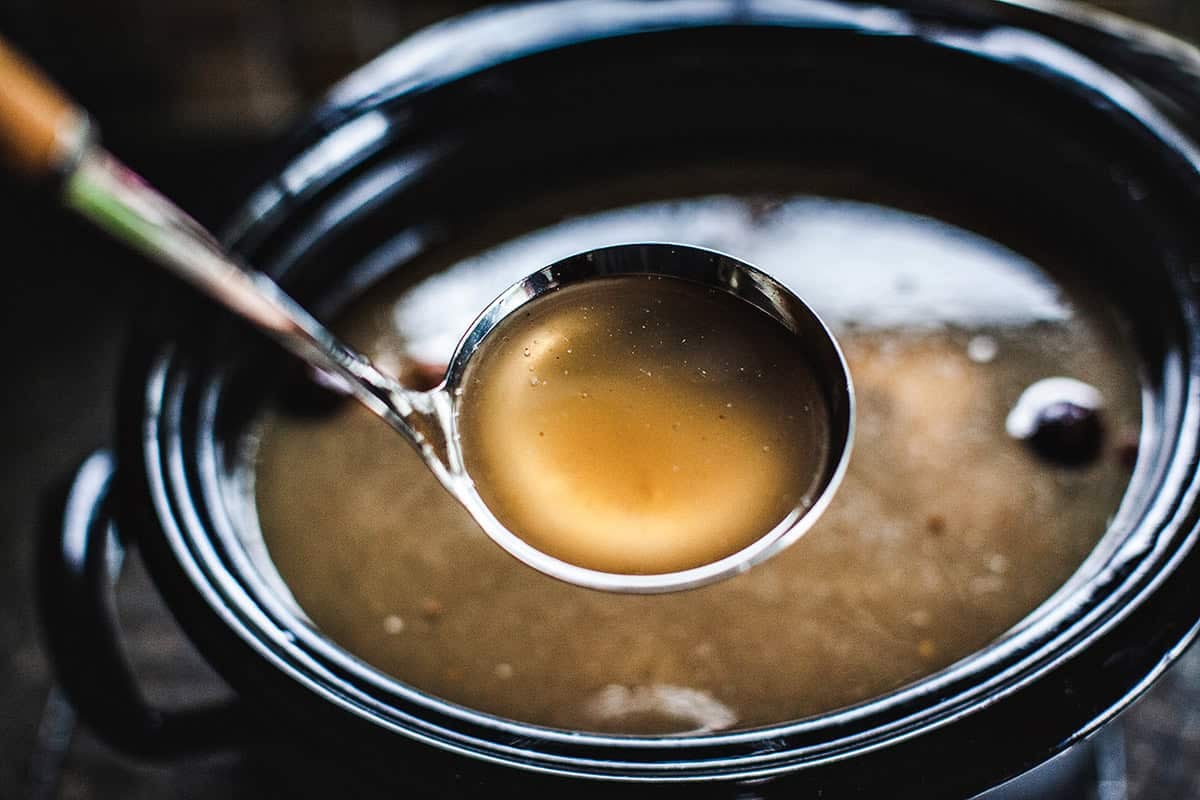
point(642, 424)
point(946, 532)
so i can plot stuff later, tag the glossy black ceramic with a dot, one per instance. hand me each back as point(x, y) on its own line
point(1038, 129)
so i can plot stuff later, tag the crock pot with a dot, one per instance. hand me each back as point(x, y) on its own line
point(1056, 122)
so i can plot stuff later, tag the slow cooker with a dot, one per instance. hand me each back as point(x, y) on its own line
point(1047, 120)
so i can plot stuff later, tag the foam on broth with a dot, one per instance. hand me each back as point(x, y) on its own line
point(944, 534)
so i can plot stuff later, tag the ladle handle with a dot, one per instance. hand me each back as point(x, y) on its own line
point(117, 200)
point(41, 130)
point(43, 134)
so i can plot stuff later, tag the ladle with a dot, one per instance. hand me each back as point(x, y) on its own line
point(46, 137)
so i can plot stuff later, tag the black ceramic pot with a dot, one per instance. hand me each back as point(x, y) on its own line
point(1055, 131)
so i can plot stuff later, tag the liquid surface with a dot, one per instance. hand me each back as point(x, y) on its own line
point(642, 425)
point(946, 531)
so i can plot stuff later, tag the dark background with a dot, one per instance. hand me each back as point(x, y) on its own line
point(191, 93)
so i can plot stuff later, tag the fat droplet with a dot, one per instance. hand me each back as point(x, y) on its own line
point(982, 349)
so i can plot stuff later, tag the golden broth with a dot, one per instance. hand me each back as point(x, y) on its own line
point(642, 425)
point(944, 534)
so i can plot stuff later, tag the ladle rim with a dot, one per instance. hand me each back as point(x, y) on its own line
point(707, 267)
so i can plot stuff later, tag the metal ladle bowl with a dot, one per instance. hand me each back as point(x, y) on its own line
point(45, 135)
point(706, 268)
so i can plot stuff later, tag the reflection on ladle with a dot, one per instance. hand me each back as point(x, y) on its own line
point(669, 484)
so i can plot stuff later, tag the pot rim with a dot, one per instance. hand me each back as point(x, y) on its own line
point(1134, 566)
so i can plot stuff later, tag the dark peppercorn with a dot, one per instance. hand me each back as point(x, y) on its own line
point(1067, 434)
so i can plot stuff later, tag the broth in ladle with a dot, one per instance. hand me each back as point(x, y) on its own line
point(643, 424)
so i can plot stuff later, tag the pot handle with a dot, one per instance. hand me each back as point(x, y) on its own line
point(80, 560)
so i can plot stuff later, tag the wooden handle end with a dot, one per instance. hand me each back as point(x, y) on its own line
point(39, 127)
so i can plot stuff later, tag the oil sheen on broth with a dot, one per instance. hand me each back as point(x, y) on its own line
point(642, 424)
